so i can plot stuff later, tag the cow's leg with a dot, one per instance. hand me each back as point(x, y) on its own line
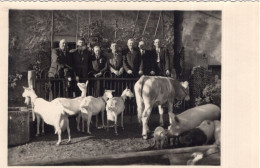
point(43, 132)
point(161, 115)
point(145, 117)
point(38, 120)
point(170, 112)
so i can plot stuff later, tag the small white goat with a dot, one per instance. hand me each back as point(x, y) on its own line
point(116, 106)
point(74, 104)
point(52, 113)
point(91, 106)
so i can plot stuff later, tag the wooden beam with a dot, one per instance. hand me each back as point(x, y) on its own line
point(157, 24)
point(146, 22)
point(77, 31)
point(136, 19)
point(143, 157)
point(89, 20)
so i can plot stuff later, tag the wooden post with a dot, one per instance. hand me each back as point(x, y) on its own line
point(177, 46)
point(31, 84)
point(52, 28)
point(31, 78)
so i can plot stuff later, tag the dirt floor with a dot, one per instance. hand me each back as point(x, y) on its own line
point(83, 145)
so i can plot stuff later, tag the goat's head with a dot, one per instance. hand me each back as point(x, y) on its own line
point(108, 94)
point(185, 85)
point(82, 86)
point(128, 93)
point(27, 94)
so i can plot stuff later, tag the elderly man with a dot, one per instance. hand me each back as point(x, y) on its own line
point(147, 64)
point(161, 59)
point(132, 60)
point(115, 60)
point(60, 61)
point(80, 59)
point(99, 64)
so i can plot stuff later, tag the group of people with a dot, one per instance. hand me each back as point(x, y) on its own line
point(85, 62)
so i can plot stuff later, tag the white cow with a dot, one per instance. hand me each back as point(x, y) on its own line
point(152, 91)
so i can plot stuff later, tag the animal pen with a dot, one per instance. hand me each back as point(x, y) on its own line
point(102, 147)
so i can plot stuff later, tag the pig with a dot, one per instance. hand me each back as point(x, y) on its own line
point(200, 135)
point(192, 118)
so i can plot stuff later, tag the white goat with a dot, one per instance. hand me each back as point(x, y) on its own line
point(52, 113)
point(74, 104)
point(91, 106)
point(116, 106)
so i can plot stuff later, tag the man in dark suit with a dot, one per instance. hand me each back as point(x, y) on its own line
point(161, 59)
point(80, 59)
point(132, 60)
point(60, 62)
point(99, 63)
point(147, 64)
point(115, 60)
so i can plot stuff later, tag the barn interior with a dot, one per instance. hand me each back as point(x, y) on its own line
point(193, 39)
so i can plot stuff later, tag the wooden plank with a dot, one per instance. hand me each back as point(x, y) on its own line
point(178, 156)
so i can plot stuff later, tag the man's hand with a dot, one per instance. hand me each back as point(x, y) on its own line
point(167, 72)
point(130, 72)
point(140, 72)
point(152, 72)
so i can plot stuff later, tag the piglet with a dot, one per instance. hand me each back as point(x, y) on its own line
point(160, 138)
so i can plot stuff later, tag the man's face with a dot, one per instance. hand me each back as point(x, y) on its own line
point(97, 51)
point(113, 47)
point(141, 45)
point(157, 43)
point(81, 43)
point(62, 44)
point(130, 44)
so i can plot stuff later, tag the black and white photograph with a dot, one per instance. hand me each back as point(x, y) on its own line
point(115, 87)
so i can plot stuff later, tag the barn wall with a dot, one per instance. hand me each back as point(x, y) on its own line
point(30, 33)
point(201, 38)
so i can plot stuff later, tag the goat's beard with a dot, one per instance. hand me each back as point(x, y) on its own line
point(27, 101)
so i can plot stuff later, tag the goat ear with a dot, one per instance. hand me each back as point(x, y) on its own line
point(126, 87)
point(24, 87)
point(87, 82)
